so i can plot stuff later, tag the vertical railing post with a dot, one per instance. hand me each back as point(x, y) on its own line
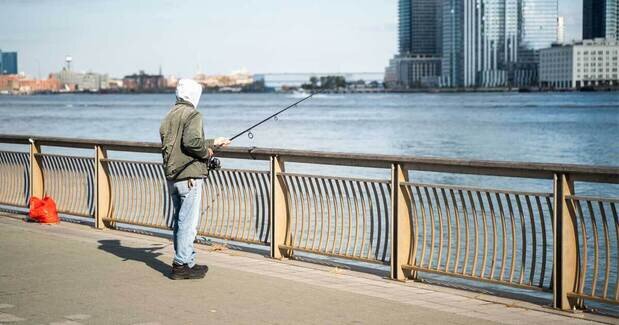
point(401, 225)
point(565, 249)
point(278, 209)
point(37, 186)
point(102, 188)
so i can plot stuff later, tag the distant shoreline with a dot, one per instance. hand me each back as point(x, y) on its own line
point(343, 91)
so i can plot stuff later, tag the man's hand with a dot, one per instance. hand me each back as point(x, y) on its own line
point(221, 142)
point(210, 152)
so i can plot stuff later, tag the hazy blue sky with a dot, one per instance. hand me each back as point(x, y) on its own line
point(215, 36)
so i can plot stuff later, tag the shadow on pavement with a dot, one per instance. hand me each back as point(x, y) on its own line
point(146, 255)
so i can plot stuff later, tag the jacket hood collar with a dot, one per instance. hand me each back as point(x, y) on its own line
point(189, 91)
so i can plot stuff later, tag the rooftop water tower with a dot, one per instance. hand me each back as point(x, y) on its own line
point(68, 59)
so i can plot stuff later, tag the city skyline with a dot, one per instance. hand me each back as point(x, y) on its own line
point(264, 37)
point(472, 43)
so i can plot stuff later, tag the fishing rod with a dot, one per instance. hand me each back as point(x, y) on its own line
point(248, 130)
point(214, 163)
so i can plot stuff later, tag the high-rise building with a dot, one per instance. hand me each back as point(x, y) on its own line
point(418, 27)
point(405, 41)
point(561, 30)
point(452, 56)
point(461, 34)
point(479, 42)
point(473, 43)
point(498, 41)
point(418, 61)
point(539, 23)
point(8, 62)
point(494, 43)
point(593, 22)
point(600, 19)
point(538, 30)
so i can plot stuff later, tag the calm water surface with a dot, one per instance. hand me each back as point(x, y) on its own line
point(580, 128)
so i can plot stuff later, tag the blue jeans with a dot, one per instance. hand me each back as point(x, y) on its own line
point(187, 200)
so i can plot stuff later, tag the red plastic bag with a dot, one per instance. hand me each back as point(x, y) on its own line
point(43, 211)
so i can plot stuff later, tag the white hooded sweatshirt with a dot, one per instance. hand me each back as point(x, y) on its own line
point(189, 90)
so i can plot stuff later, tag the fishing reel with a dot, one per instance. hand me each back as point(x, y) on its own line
point(213, 163)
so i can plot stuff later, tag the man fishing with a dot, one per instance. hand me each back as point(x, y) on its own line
point(185, 155)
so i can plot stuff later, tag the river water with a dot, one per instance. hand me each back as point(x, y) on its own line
point(580, 128)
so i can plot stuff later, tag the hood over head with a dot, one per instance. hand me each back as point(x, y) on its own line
point(189, 90)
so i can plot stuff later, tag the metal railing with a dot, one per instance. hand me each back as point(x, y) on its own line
point(490, 235)
point(70, 181)
point(336, 216)
point(556, 241)
point(597, 227)
point(14, 180)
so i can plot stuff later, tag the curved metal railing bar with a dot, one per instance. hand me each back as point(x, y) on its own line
point(598, 256)
point(517, 257)
point(338, 216)
point(14, 180)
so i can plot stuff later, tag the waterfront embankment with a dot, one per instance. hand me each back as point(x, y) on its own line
point(73, 274)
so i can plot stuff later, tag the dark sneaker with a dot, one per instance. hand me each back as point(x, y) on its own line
point(201, 267)
point(181, 272)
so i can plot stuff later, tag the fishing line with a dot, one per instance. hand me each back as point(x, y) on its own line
point(273, 116)
point(214, 163)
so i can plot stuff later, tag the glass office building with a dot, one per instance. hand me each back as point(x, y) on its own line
point(452, 32)
point(479, 43)
point(493, 43)
point(539, 23)
point(498, 41)
point(418, 62)
point(600, 19)
point(404, 26)
point(418, 27)
point(8, 62)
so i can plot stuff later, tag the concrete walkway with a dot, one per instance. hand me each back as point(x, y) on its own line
point(74, 274)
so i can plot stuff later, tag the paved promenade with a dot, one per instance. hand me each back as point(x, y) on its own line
point(73, 274)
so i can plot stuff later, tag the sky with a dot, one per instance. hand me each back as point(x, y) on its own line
point(209, 36)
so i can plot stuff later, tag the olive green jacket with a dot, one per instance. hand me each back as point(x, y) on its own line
point(184, 149)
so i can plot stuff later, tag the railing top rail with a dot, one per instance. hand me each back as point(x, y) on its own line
point(476, 189)
point(135, 146)
point(605, 174)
